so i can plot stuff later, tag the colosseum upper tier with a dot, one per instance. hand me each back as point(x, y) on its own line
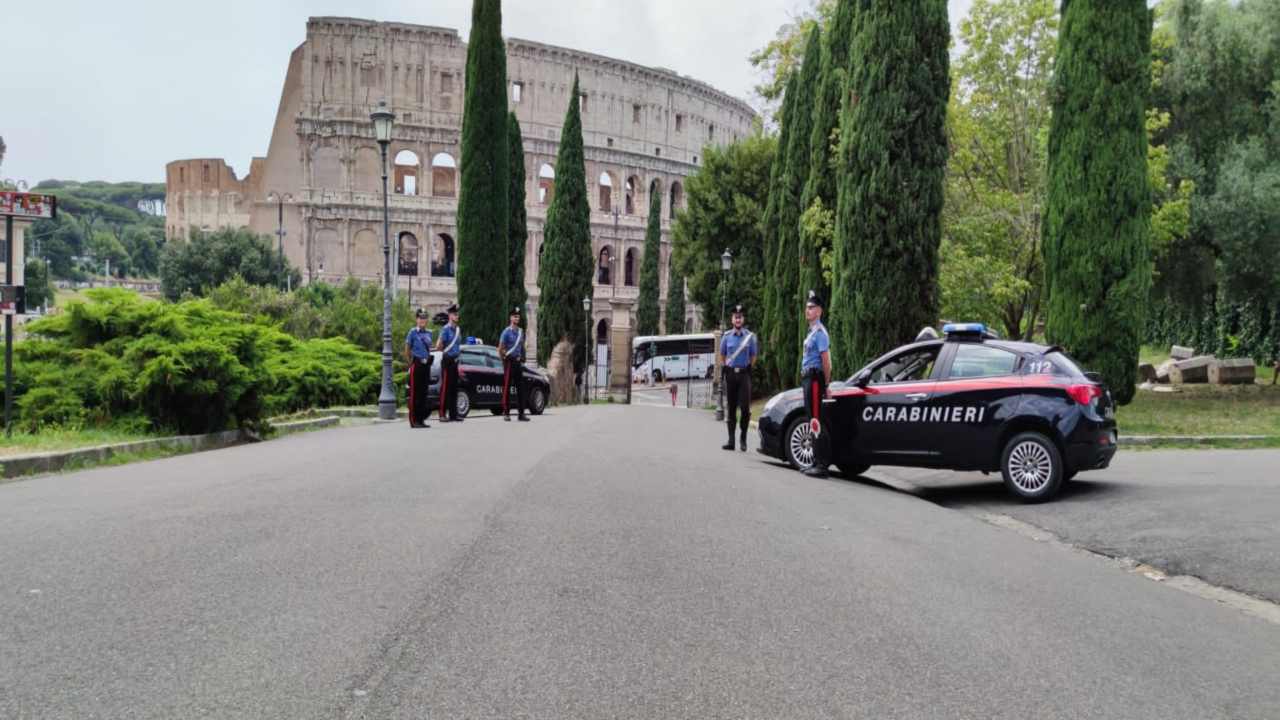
point(319, 187)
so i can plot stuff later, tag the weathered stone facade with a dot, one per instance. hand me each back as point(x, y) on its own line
point(643, 128)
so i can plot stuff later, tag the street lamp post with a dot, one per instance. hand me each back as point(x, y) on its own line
point(726, 264)
point(586, 374)
point(382, 119)
point(280, 200)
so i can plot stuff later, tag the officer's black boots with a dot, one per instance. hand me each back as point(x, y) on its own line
point(523, 418)
point(728, 445)
point(742, 441)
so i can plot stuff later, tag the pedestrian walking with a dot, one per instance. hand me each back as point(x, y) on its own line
point(738, 351)
point(417, 353)
point(511, 350)
point(450, 346)
point(815, 373)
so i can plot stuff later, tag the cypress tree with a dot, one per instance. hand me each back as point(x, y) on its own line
point(767, 328)
point(819, 196)
point(564, 275)
point(483, 212)
point(1097, 220)
point(893, 156)
point(675, 300)
point(785, 278)
point(647, 311)
point(518, 227)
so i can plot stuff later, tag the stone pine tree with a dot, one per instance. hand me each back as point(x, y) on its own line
point(675, 300)
point(647, 310)
point(564, 275)
point(483, 212)
point(1097, 220)
point(893, 156)
point(768, 323)
point(518, 227)
point(785, 276)
point(818, 201)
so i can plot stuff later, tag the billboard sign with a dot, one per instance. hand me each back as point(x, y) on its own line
point(28, 205)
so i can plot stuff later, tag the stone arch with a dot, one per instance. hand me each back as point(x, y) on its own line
point(604, 269)
point(444, 174)
point(546, 184)
point(602, 332)
point(677, 198)
point(409, 254)
point(407, 166)
point(442, 256)
point(326, 168)
point(368, 164)
point(631, 195)
point(328, 253)
point(366, 254)
point(605, 183)
point(629, 268)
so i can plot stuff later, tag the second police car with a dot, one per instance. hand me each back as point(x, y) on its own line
point(967, 401)
point(480, 376)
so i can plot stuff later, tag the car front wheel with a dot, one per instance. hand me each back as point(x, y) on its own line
point(464, 403)
point(797, 444)
point(1032, 467)
point(537, 401)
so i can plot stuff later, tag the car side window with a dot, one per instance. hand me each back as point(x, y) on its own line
point(973, 360)
point(909, 366)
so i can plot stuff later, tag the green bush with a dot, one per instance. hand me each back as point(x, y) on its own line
point(49, 406)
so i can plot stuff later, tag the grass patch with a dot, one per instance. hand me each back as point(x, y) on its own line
point(53, 439)
point(1204, 410)
point(121, 459)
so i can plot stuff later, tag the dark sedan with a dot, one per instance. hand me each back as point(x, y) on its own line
point(968, 401)
point(480, 380)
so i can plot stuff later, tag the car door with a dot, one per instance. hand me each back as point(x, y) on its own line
point(889, 421)
point(482, 380)
point(978, 390)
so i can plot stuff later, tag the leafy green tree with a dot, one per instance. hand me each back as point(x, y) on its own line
point(142, 243)
point(778, 59)
point(647, 312)
point(108, 251)
point(771, 231)
point(39, 289)
point(818, 200)
point(675, 301)
point(483, 202)
point(518, 227)
point(564, 275)
point(785, 274)
point(892, 168)
point(725, 202)
point(1097, 221)
point(207, 260)
point(997, 124)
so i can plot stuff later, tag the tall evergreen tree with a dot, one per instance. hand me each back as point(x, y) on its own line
point(768, 325)
point(675, 300)
point(818, 200)
point(483, 212)
point(647, 310)
point(785, 278)
point(564, 275)
point(893, 157)
point(1097, 221)
point(518, 227)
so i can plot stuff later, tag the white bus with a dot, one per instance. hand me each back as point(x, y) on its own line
point(661, 357)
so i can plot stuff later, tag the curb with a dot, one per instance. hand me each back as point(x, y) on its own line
point(1160, 440)
point(38, 463)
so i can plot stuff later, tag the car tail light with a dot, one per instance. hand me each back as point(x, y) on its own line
point(1084, 394)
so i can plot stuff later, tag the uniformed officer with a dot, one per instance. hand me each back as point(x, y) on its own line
point(417, 353)
point(815, 373)
point(450, 346)
point(511, 350)
point(737, 355)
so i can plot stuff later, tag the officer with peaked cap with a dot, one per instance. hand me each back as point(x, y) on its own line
point(511, 350)
point(738, 351)
point(450, 346)
point(815, 374)
point(417, 352)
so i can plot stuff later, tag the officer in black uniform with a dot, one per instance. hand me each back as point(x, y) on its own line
point(417, 352)
point(815, 374)
point(511, 350)
point(450, 346)
point(737, 355)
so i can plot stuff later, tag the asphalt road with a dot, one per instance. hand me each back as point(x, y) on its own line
point(598, 562)
point(1212, 514)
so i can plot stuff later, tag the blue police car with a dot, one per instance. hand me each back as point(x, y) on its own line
point(965, 401)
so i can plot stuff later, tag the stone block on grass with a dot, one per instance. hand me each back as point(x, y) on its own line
point(1233, 371)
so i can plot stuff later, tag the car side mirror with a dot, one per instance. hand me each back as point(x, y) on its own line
point(862, 379)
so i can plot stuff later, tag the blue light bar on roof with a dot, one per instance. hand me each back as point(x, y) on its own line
point(964, 329)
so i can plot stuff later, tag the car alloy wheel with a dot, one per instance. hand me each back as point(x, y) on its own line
point(537, 401)
point(799, 444)
point(1032, 467)
point(464, 403)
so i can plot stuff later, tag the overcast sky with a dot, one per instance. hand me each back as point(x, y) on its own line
point(113, 90)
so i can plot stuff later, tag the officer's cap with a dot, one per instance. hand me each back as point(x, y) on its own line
point(739, 310)
point(815, 299)
point(452, 309)
point(422, 314)
point(515, 311)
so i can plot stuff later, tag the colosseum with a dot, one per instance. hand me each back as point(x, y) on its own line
point(319, 187)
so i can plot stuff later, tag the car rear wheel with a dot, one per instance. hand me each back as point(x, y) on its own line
point(797, 444)
point(537, 401)
point(1032, 467)
point(464, 403)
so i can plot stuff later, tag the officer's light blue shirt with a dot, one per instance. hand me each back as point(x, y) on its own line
point(508, 342)
point(447, 334)
point(730, 343)
point(815, 343)
point(419, 342)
